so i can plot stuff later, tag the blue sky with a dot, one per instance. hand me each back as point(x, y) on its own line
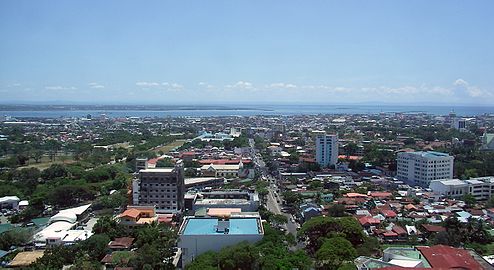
point(176, 52)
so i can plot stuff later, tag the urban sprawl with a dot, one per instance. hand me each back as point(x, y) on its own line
point(379, 191)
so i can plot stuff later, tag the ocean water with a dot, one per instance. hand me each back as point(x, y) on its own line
point(250, 110)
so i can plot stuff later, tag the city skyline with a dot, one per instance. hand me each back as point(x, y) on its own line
point(247, 52)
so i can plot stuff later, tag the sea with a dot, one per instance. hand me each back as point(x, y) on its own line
point(251, 110)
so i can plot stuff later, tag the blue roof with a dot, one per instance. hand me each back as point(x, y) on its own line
point(431, 154)
point(207, 226)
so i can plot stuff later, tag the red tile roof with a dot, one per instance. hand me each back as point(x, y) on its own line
point(399, 230)
point(369, 221)
point(350, 157)
point(390, 234)
point(132, 212)
point(355, 195)
point(388, 213)
point(223, 161)
point(121, 243)
point(379, 194)
point(433, 228)
point(446, 257)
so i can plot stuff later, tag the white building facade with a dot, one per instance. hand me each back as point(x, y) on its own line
point(326, 149)
point(199, 235)
point(482, 188)
point(420, 168)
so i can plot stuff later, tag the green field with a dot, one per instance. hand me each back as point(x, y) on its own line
point(169, 147)
point(46, 162)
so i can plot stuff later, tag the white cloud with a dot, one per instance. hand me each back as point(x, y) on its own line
point(147, 84)
point(281, 85)
point(59, 87)
point(94, 85)
point(470, 90)
point(241, 85)
point(168, 86)
point(206, 85)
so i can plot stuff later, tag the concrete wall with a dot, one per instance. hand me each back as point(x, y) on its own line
point(194, 245)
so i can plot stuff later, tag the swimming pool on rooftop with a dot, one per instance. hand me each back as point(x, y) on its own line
point(207, 226)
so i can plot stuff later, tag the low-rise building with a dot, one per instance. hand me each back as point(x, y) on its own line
point(217, 170)
point(481, 188)
point(203, 182)
point(138, 216)
point(487, 141)
point(9, 202)
point(424, 257)
point(61, 228)
point(245, 200)
point(199, 235)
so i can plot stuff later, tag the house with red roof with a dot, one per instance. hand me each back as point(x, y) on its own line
point(388, 214)
point(367, 221)
point(380, 195)
point(437, 257)
point(429, 229)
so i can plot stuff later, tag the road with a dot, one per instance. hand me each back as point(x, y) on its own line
point(274, 199)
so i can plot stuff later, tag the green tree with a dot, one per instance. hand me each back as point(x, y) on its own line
point(279, 219)
point(318, 228)
point(469, 200)
point(166, 162)
point(96, 246)
point(107, 225)
point(334, 252)
point(291, 198)
point(337, 210)
point(14, 237)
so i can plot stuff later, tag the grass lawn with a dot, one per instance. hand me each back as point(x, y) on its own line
point(46, 162)
point(169, 147)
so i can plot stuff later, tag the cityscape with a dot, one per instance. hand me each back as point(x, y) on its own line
point(246, 135)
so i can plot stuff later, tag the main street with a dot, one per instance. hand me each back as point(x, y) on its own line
point(274, 200)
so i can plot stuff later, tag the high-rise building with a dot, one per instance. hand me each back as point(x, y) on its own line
point(163, 188)
point(459, 123)
point(326, 149)
point(420, 168)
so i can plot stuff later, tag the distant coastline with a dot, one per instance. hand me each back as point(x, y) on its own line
point(57, 111)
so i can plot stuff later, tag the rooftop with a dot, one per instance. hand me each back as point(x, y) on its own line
point(207, 226)
point(452, 182)
point(429, 154)
point(160, 170)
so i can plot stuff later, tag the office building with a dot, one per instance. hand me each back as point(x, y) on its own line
point(420, 168)
point(481, 188)
point(163, 188)
point(326, 149)
point(459, 123)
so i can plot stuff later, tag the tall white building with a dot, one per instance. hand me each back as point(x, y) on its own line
point(420, 168)
point(459, 123)
point(326, 149)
